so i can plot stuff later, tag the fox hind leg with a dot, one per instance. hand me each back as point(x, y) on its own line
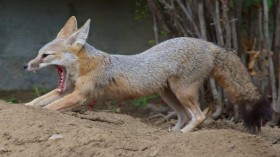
point(188, 96)
point(173, 102)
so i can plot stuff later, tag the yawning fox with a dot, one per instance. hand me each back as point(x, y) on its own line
point(174, 69)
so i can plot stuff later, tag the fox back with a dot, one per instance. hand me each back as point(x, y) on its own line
point(149, 72)
point(175, 69)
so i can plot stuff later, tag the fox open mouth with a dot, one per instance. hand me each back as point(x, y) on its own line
point(62, 78)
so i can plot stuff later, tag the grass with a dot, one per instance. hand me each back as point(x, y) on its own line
point(143, 101)
point(38, 91)
point(13, 100)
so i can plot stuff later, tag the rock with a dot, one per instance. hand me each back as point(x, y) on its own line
point(56, 136)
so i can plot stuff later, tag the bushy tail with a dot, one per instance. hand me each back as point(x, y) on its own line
point(232, 75)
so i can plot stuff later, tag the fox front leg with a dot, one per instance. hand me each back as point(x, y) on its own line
point(67, 102)
point(46, 99)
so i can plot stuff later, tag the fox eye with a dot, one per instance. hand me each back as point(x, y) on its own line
point(45, 55)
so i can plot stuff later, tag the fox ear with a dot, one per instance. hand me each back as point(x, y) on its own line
point(69, 28)
point(78, 39)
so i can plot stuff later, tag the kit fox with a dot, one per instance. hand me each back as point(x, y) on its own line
point(174, 69)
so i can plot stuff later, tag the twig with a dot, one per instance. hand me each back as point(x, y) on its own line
point(189, 17)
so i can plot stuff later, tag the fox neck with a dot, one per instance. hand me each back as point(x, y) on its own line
point(98, 75)
point(93, 66)
point(91, 59)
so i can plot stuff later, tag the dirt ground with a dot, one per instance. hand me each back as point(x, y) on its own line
point(33, 132)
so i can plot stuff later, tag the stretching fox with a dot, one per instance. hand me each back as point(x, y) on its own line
point(175, 69)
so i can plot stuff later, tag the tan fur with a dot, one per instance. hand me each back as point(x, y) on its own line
point(175, 69)
point(86, 65)
point(67, 102)
point(46, 99)
point(240, 82)
point(182, 112)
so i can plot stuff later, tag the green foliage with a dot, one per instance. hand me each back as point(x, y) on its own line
point(141, 9)
point(114, 109)
point(38, 91)
point(143, 101)
point(152, 42)
point(13, 100)
point(249, 4)
point(162, 33)
point(252, 6)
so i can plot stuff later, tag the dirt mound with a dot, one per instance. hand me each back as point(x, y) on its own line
point(26, 131)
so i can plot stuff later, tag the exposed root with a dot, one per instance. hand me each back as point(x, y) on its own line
point(163, 118)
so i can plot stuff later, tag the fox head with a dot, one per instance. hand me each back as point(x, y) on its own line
point(62, 51)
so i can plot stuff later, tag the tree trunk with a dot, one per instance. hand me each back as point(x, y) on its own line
point(218, 27)
point(156, 11)
point(276, 48)
point(269, 55)
point(202, 20)
point(261, 43)
point(238, 25)
point(214, 90)
point(155, 28)
point(203, 36)
point(234, 35)
point(226, 23)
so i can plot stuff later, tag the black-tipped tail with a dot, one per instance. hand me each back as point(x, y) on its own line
point(256, 114)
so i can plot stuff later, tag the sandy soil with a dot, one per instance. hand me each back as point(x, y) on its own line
point(33, 132)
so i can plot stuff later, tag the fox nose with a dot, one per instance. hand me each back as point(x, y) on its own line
point(25, 66)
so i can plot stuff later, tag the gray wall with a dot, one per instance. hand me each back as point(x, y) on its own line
point(26, 25)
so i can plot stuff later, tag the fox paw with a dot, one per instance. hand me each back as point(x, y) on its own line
point(29, 104)
point(174, 128)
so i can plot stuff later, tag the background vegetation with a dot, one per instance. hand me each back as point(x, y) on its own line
point(251, 27)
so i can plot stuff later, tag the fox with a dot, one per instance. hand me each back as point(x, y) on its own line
point(174, 69)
